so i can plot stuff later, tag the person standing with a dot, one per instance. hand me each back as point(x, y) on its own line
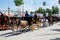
point(31, 14)
point(26, 14)
point(35, 18)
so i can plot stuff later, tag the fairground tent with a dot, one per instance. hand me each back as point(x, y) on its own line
point(11, 14)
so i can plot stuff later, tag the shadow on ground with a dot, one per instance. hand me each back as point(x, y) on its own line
point(59, 24)
point(49, 34)
point(56, 39)
point(15, 33)
point(56, 30)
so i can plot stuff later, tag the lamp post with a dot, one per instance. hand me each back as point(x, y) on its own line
point(8, 12)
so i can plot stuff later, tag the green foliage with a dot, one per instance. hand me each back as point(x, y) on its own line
point(49, 11)
point(44, 12)
point(18, 2)
point(39, 10)
point(55, 10)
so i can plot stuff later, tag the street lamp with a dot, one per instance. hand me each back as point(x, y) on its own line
point(8, 12)
point(8, 9)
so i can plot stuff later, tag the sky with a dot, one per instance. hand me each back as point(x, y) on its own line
point(30, 5)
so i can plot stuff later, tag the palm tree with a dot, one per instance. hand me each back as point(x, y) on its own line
point(18, 3)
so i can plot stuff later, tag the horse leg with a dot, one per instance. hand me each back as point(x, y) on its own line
point(32, 27)
point(12, 27)
point(0, 26)
point(38, 24)
point(4, 27)
point(17, 27)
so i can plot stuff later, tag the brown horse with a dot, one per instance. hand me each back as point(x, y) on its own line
point(23, 23)
point(36, 21)
point(18, 25)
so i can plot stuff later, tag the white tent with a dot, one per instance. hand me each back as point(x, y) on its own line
point(57, 15)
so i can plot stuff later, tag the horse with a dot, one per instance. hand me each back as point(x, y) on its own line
point(23, 22)
point(36, 21)
point(30, 21)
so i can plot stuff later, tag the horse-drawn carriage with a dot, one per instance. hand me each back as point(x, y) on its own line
point(16, 22)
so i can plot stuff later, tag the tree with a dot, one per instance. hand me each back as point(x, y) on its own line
point(39, 10)
point(55, 10)
point(49, 11)
point(18, 3)
point(44, 12)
